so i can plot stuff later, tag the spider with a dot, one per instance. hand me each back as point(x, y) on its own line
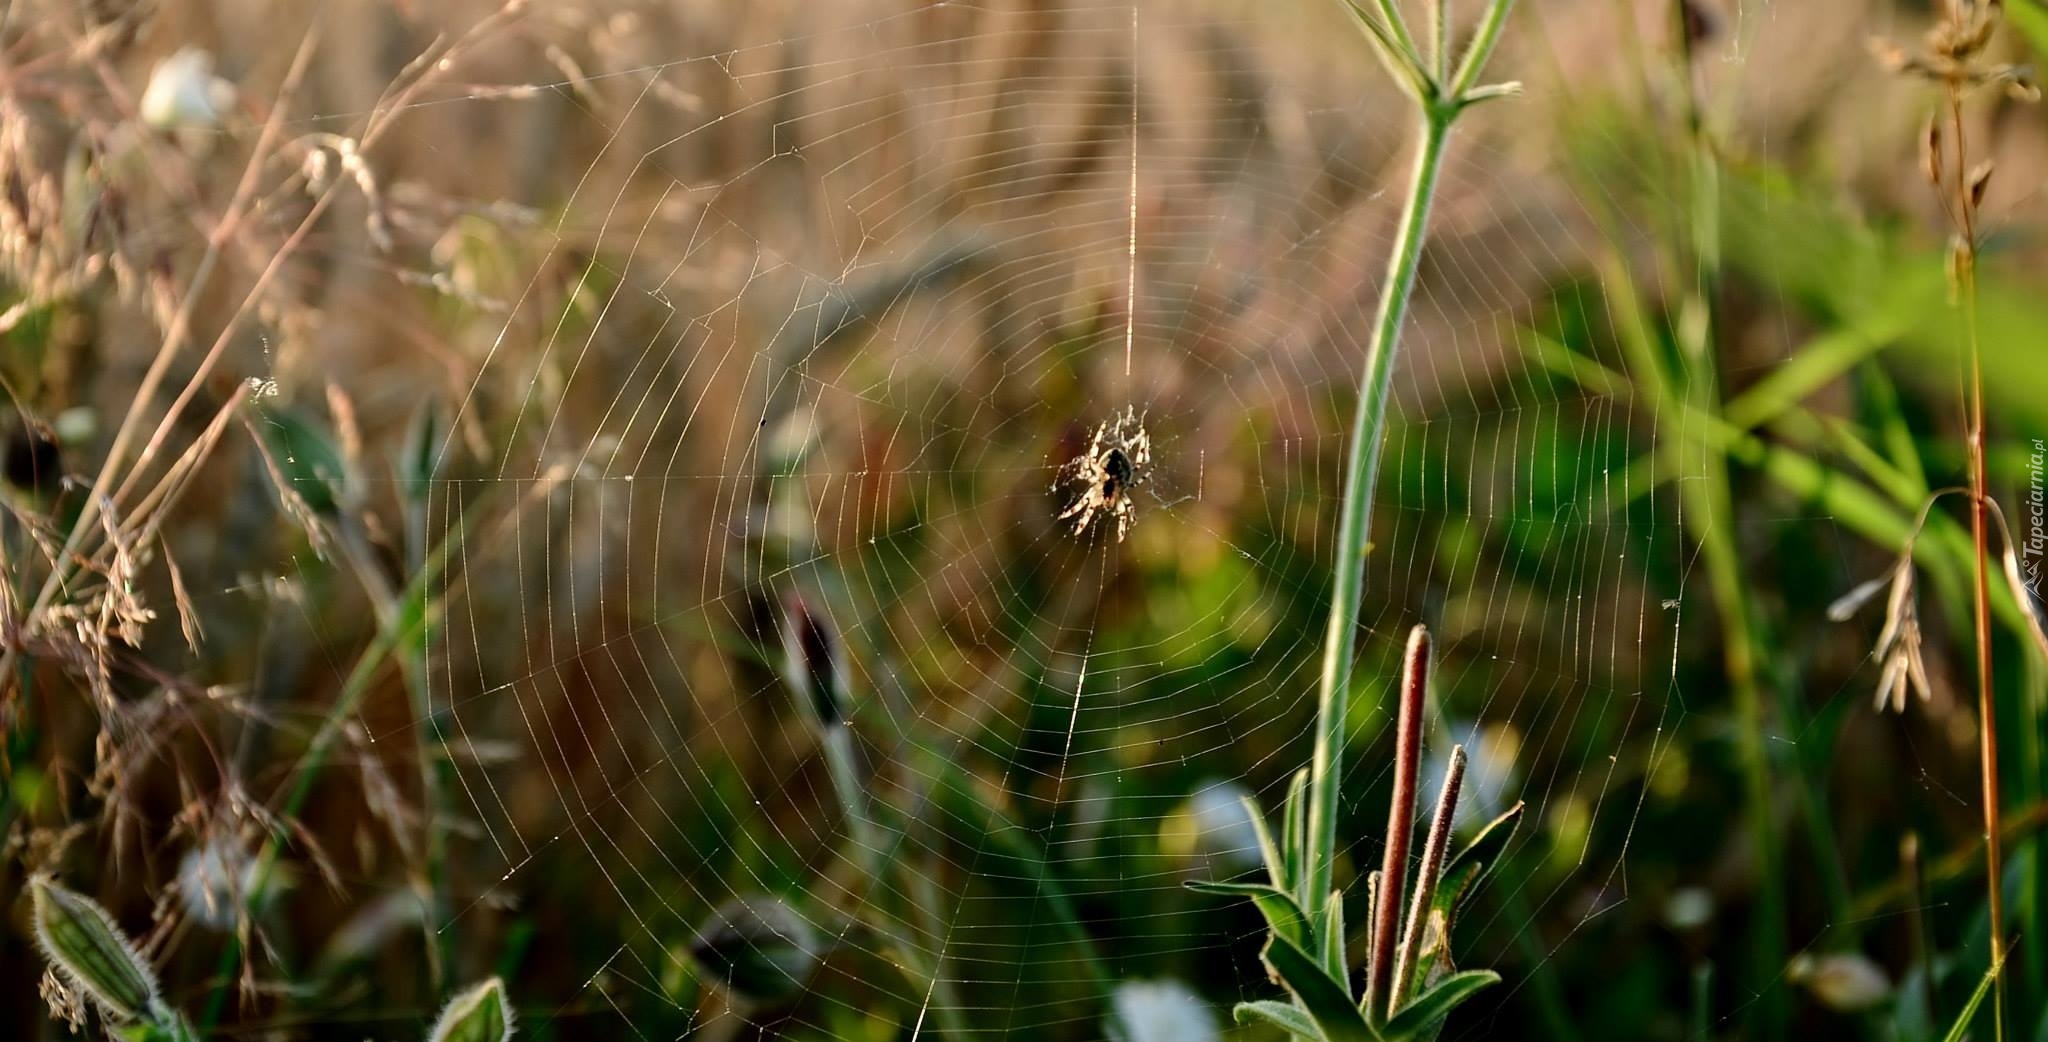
point(1100, 480)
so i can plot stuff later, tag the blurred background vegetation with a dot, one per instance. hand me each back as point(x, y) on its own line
point(426, 421)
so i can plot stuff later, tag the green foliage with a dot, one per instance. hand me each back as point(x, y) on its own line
point(1317, 993)
point(478, 1014)
point(1283, 914)
point(304, 460)
point(82, 940)
point(1304, 914)
point(92, 954)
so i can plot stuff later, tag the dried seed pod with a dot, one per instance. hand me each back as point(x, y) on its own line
point(92, 953)
point(2020, 85)
point(1930, 151)
point(1977, 182)
point(758, 948)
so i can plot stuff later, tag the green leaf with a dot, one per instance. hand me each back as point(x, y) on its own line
point(92, 953)
point(1960, 1030)
point(1294, 820)
point(1487, 848)
point(144, 1031)
point(301, 457)
point(1283, 914)
point(477, 1015)
point(1426, 1009)
point(1451, 892)
point(2031, 19)
point(1398, 57)
point(1282, 1015)
point(419, 459)
point(1333, 934)
point(1276, 863)
point(1324, 998)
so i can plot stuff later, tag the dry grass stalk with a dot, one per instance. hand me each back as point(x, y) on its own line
point(1953, 56)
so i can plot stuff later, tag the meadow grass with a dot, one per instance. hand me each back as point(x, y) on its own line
point(456, 680)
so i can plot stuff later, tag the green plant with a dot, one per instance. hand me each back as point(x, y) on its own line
point(1955, 58)
point(90, 955)
point(1440, 96)
point(1306, 952)
point(92, 960)
point(1411, 981)
point(478, 1014)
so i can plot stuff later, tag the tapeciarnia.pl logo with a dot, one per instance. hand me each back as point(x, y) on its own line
point(2035, 547)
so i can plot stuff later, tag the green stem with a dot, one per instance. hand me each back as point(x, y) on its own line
point(1333, 694)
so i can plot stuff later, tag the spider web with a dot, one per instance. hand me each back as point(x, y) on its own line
point(815, 309)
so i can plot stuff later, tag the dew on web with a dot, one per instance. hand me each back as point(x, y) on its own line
point(1018, 349)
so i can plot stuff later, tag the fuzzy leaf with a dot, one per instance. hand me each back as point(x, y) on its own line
point(1323, 998)
point(1333, 935)
point(1294, 819)
point(1486, 849)
point(1276, 863)
point(477, 1015)
point(1455, 887)
point(1285, 1016)
point(1283, 914)
point(92, 953)
point(1435, 1004)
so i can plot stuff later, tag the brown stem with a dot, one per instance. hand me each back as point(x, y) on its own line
point(1400, 823)
point(1987, 706)
point(1434, 850)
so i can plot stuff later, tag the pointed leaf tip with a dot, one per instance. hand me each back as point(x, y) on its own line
point(477, 1015)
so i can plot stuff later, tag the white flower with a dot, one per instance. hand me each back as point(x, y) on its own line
point(1688, 907)
point(184, 92)
point(1161, 1011)
point(1843, 981)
